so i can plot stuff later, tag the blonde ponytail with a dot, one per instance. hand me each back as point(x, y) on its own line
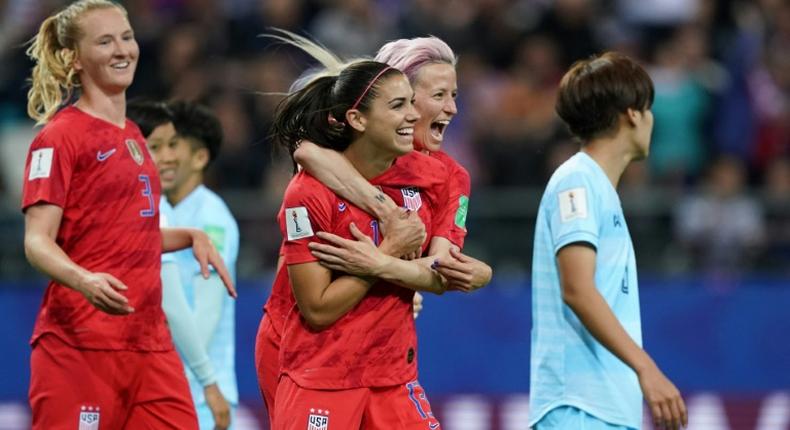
point(54, 49)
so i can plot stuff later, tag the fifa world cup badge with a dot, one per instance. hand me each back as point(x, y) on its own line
point(89, 418)
point(134, 151)
point(318, 419)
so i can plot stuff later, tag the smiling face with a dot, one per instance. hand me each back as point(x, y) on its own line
point(178, 163)
point(390, 121)
point(107, 52)
point(435, 89)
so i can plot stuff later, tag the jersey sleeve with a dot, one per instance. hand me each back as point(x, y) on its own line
point(572, 209)
point(48, 171)
point(452, 221)
point(224, 234)
point(307, 209)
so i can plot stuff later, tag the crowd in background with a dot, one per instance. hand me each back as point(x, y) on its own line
point(717, 180)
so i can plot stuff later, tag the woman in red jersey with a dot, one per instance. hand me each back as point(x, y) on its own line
point(348, 347)
point(102, 354)
point(430, 65)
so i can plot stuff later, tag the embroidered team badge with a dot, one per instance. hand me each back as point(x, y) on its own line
point(89, 418)
point(318, 419)
point(411, 198)
point(298, 223)
point(134, 151)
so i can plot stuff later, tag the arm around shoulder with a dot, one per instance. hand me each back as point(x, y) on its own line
point(339, 175)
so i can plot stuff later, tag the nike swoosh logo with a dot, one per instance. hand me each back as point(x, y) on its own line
point(101, 156)
point(433, 425)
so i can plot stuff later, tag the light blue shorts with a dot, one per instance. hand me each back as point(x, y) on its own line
point(570, 418)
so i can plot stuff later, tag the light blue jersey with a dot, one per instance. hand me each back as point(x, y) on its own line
point(165, 217)
point(568, 366)
point(203, 209)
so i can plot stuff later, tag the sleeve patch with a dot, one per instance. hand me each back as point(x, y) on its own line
point(217, 236)
point(573, 204)
point(298, 223)
point(463, 210)
point(41, 163)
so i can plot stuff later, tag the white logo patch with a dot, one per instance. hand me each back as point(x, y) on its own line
point(573, 204)
point(318, 419)
point(41, 163)
point(298, 223)
point(89, 418)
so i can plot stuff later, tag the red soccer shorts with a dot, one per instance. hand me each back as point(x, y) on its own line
point(84, 389)
point(399, 407)
point(267, 363)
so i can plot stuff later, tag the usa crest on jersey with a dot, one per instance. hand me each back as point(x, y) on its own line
point(134, 151)
point(89, 418)
point(411, 198)
point(318, 419)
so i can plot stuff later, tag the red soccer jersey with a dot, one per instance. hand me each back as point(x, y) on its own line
point(106, 182)
point(453, 221)
point(374, 344)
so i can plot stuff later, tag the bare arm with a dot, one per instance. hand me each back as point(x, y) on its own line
point(361, 257)
point(402, 230)
point(174, 239)
point(102, 290)
point(321, 300)
point(336, 172)
point(463, 273)
point(577, 274)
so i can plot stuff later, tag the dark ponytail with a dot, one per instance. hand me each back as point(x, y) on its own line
point(304, 115)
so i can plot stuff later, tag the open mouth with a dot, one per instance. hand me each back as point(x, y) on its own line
point(120, 66)
point(438, 128)
point(167, 174)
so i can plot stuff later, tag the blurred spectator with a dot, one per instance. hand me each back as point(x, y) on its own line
point(721, 226)
point(524, 121)
point(777, 198)
point(572, 24)
point(770, 86)
point(680, 108)
point(352, 28)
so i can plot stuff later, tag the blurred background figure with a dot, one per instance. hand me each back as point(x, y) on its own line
point(721, 226)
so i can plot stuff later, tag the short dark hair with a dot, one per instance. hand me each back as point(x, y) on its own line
point(197, 123)
point(148, 114)
point(594, 92)
point(317, 112)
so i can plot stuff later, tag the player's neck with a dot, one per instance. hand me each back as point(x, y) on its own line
point(368, 161)
point(176, 196)
point(108, 107)
point(611, 155)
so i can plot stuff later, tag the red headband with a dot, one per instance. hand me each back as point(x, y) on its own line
point(373, 81)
